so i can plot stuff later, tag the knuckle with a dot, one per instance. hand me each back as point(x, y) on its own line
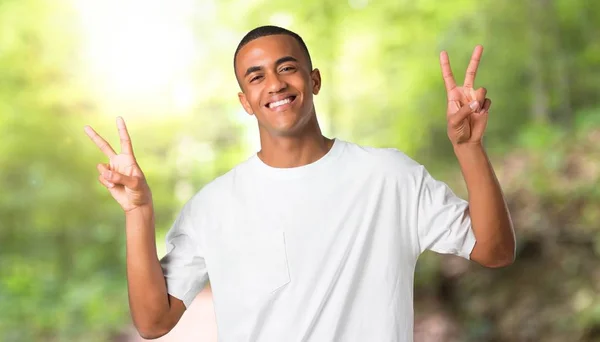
point(102, 181)
point(115, 176)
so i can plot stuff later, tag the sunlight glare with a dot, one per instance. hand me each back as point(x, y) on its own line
point(141, 51)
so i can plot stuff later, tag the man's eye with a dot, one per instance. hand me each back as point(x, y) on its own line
point(287, 68)
point(255, 78)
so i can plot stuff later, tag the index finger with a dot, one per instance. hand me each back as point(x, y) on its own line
point(447, 72)
point(473, 65)
point(126, 146)
point(100, 142)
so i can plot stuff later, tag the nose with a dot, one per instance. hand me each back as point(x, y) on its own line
point(275, 83)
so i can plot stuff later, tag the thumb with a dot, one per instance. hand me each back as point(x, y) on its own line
point(463, 112)
point(121, 179)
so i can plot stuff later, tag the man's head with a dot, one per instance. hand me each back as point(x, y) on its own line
point(274, 70)
point(270, 30)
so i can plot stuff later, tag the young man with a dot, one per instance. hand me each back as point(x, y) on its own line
point(311, 238)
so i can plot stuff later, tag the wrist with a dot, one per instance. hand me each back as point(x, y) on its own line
point(471, 156)
point(468, 149)
point(146, 210)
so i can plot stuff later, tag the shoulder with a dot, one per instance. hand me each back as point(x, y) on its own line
point(384, 160)
point(218, 191)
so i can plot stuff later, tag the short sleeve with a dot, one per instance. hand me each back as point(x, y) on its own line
point(444, 223)
point(183, 265)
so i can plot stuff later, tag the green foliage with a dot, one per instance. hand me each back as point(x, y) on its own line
point(62, 257)
point(551, 185)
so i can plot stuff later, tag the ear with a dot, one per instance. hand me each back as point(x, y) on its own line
point(315, 76)
point(245, 103)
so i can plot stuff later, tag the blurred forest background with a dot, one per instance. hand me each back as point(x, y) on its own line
point(166, 67)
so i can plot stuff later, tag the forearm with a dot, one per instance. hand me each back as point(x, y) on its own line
point(490, 217)
point(148, 299)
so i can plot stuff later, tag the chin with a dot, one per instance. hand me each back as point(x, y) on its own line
point(284, 128)
point(286, 123)
point(295, 129)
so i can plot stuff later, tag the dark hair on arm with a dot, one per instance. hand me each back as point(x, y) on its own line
point(270, 30)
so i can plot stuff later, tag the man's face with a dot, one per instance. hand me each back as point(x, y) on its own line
point(277, 84)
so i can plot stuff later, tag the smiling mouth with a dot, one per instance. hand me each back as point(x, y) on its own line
point(287, 100)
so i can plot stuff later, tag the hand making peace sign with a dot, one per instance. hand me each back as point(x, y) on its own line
point(467, 110)
point(122, 175)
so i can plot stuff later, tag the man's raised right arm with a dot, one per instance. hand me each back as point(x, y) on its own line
point(153, 310)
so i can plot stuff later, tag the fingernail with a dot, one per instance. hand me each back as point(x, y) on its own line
point(110, 185)
point(474, 105)
point(107, 174)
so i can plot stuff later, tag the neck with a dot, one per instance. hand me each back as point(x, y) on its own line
point(302, 148)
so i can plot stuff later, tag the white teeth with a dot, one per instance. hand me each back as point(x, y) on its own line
point(280, 103)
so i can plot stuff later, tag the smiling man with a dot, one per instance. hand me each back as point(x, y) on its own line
point(311, 238)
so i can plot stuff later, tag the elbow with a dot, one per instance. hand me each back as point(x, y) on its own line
point(493, 257)
point(152, 331)
point(501, 259)
point(499, 262)
point(152, 323)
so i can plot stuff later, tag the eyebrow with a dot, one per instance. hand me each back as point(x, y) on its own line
point(278, 62)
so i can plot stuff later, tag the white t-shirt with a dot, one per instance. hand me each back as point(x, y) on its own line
point(322, 252)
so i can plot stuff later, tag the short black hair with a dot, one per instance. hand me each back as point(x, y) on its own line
point(270, 30)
